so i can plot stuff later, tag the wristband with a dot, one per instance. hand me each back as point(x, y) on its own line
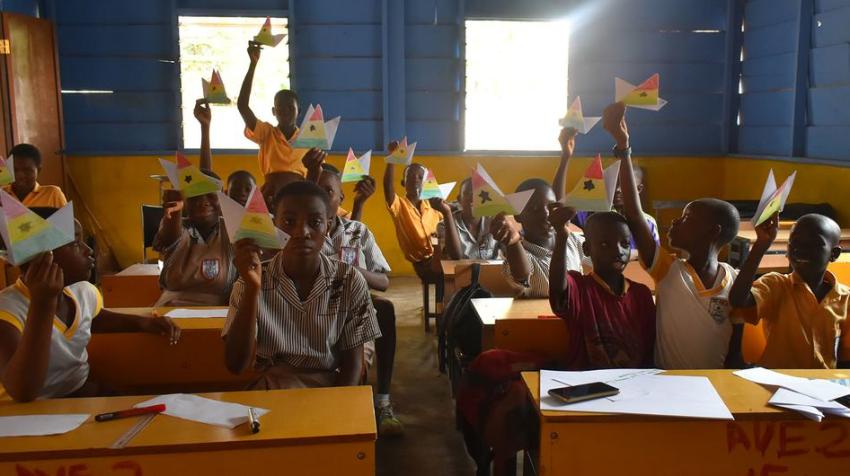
point(622, 153)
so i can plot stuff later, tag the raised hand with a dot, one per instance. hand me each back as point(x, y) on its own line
point(766, 232)
point(247, 260)
point(560, 216)
point(614, 121)
point(172, 203)
point(364, 189)
point(440, 205)
point(44, 279)
point(567, 139)
point(254, 52)
point(505, 229)
point(313, 159)
point(202, 112)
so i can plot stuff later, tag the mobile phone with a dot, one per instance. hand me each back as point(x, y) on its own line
point(580, 393)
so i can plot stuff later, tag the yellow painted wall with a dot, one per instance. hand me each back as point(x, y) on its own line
point(113, 188)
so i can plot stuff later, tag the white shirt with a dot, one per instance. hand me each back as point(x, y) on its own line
point(68, 368)
point(537, 283)
point(693, 324)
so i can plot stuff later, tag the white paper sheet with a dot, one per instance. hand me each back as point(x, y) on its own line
point(641, 393)
point(819, 389)
point(40, 425)
point(204, 410)
point(196, 313)
point(806, 405)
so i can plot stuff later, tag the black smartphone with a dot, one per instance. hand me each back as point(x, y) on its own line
point(580, 393)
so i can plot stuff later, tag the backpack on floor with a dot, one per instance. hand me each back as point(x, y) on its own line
point(459, 329)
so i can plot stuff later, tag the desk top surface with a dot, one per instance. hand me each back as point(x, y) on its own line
point(452, 267)
point(489, 310)
point(139, 269)
point(297, 417)
point(744, 398)
point(183, 323)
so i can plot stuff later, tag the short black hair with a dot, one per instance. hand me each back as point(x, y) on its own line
point(725, 215)
point(239, 174)
point(821, 224)
point(27, 151)
point(600, 219)
point(414, 164)
point(285, 95)
point(302, 188)
point(329, 168)
point(533, 184)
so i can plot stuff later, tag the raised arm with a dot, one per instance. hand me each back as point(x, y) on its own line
point(313, 160)
point(204, 117)
point(506, 231)
point(614, 120)
point(240, 344)
point(567, 139)
point(172, 217)
point(25, 356)
point(741, 293)
point(245, 93)
point(364, 189)
point(452, 243)
point(559, 218)
point(389, 177)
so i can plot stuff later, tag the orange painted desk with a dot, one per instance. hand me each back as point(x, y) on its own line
point(457, 274)
point(144, 363)
point(303, 434)
point(491, 310)
point(747, 232)
point(136, 286)
point(762, 440)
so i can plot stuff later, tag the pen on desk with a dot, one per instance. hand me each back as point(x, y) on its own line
point(130, 412)
point(253, 421)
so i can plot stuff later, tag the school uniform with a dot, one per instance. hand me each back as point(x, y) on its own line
point(608, 330)
point(353, 243)
point(196, 271)
point(484, 247)
point(41, 196)
point(801, 332)
point(342, 212)
point(276, 153)
point(68, 368)
point(299, 343)
point(414, 228)
point(693, 324)
point(537, 283)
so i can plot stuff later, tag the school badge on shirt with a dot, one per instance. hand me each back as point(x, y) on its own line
point(719, 309)
point(350, 255)
point(210, 268)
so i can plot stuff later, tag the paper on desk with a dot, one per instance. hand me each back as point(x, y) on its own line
point(186, 313)
point(204, 410)
point(809, 407)
point(640, 394)
point(40, 425)
point(819, 389)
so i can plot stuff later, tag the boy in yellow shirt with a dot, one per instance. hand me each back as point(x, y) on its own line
point(415, 221)
point(26, 188)
point(276, 153)
point(804, 312)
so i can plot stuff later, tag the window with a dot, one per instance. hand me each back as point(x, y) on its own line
point(516, 84)
point(208, 43)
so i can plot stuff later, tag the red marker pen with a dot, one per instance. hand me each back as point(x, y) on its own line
point(130, 413)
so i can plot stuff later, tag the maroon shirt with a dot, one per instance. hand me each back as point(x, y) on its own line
point(606, 330)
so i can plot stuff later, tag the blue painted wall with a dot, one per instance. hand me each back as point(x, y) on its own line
point(393, 67)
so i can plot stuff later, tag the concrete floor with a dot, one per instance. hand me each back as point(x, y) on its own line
point(431, 446)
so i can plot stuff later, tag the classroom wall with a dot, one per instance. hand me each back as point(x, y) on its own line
point(113, 187)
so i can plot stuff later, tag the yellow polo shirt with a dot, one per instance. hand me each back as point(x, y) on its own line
point(276, 154)
point(801, 332)
point(42, 196)
point(414, 227)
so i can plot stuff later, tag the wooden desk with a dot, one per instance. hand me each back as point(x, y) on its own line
point(139, 363)
point(457, 274)
point(783, 235)
point(136, 286)
point(774, 263)
point(491, 310)
point(303, 434)
point(762, 440)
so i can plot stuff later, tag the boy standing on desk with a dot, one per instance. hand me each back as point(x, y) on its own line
point(804, 312)
point(353, 243)
point(415, 221)
point(276, 153)
point(47, 317)
point(27, 165)
point(694, 320)
point(302, 318)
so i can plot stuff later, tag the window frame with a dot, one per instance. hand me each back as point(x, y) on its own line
point(213, 12)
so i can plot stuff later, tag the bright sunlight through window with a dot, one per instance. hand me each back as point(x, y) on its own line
point(208, 43)
point(516, 84)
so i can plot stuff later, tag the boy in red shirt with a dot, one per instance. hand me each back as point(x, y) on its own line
point(610, 319)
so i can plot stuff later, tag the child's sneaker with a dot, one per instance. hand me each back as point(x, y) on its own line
point(388, 424)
